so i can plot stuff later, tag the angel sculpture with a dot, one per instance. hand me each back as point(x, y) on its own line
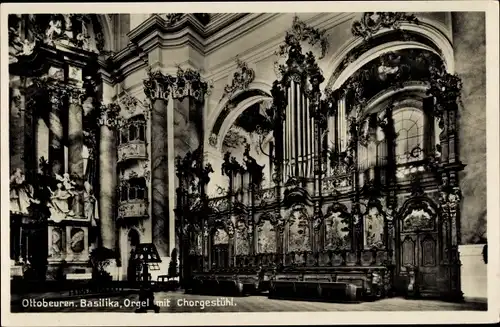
point(388, 66)
point(68, 184)
point(54, 30)
point(27, 48)
point(82, 38)
point(59, 203)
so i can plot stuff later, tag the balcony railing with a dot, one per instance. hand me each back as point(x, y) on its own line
point(132, 150)
point(136, 208)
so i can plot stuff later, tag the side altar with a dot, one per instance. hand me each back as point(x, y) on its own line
point(62, 145)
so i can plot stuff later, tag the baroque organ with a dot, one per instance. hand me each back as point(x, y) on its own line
point(363, 192)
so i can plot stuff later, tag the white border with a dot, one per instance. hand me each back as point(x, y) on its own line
point(294, 318)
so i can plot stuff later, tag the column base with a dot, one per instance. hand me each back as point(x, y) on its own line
point(113, 269)
point(473, 272)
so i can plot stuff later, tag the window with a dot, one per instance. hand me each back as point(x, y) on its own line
point(409, 127)
point(133, 130)
point(133, 189)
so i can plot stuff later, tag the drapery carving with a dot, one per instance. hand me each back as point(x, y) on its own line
point(21, 193)
point(64, 199)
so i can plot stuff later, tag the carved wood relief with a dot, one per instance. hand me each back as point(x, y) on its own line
point(408, 252)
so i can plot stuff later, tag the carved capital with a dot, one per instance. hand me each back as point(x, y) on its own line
point(57, 95)
point(76, 96)
point(157, 85)
point(189, 83)
point(109, 115)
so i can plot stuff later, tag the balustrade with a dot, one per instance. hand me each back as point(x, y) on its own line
point(133, 195)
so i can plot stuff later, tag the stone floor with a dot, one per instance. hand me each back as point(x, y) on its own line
point(180, 302)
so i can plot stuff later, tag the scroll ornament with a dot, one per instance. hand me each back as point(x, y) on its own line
point(373, 22)
point(241, 79)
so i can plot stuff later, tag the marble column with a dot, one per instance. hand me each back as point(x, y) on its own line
point(16, 126)
point(75, 148)
point(56, 129)
point(189, 94)
point(108, 174)
point(157, 89)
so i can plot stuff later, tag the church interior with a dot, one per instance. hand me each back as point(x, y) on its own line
point(301, 155)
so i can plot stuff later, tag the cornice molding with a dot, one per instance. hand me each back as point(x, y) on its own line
point(269, 46)
point(239, 28)
point(155, 32)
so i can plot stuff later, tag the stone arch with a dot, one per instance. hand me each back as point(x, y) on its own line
point(229, 109)
point(233, 115)
point(106, 27)
point(410, 88)
point(133, 236)
point(432, 39)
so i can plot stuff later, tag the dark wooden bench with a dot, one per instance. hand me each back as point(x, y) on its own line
point(219, 285)
point(312, 290)
point(224, 284)
point(344, 284)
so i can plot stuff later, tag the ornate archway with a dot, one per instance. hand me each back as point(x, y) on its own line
point(402, 34)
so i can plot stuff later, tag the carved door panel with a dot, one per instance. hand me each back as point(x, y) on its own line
point(419, 254)
point(220, 256)
point(428, 270)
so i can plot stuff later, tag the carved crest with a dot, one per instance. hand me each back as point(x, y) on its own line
point(372, 22)
point(171, 19)
point(241, 79)
point(301, 32)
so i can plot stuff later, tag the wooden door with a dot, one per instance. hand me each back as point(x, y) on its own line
point(220, 256)
point(419, 251)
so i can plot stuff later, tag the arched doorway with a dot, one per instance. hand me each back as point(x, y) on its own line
point(420, 250)
point(133, 239)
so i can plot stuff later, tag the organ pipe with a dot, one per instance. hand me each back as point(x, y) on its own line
point(300, 147)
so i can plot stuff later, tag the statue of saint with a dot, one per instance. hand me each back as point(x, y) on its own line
point(21, 193)
point(59, 203)
point(91, 212)
point(374, 229)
